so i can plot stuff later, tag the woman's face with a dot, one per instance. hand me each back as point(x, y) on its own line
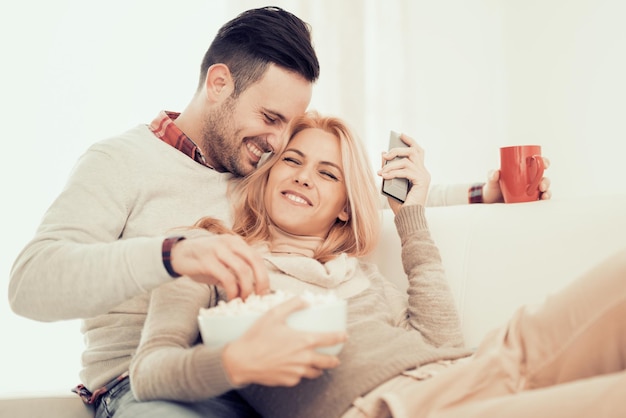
point(306, 192)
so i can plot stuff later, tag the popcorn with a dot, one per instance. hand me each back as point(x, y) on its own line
point(256, 304)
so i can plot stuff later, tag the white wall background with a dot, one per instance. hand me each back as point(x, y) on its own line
point(464, 77)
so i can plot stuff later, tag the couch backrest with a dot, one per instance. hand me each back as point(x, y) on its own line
point(498, 257)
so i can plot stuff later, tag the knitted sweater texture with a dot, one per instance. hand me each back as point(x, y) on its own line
point(96, 255)
point(389, 332)
point(97, 252)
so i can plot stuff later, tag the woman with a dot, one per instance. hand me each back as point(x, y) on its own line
point(311, 210)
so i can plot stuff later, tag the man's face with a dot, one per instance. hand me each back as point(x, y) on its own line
point(239, 131)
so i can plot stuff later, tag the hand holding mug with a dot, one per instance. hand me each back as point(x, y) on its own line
point(521, 173)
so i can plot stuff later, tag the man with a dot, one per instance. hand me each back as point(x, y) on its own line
point(117, 229)
point(105, 242)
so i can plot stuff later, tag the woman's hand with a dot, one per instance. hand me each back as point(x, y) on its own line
point(271, 353)
point(412, 168)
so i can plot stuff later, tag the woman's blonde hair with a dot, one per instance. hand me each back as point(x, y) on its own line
point(358, 235)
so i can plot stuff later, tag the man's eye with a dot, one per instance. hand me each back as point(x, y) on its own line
point(269, 119)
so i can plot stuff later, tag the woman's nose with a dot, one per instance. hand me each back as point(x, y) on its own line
point(302, 180)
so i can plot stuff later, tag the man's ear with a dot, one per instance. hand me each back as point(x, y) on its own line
point(219, 82)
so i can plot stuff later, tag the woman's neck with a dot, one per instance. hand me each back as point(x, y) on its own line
point(282, 242)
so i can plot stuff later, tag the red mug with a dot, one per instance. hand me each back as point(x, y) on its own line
point(521, 171)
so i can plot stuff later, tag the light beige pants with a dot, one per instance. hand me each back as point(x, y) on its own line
point(565, 358)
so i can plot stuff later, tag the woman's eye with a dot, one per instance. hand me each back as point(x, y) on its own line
point(329, 175)
point(291, 160)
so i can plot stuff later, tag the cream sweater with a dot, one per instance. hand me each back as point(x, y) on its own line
point(418, 329)
point(97, 253)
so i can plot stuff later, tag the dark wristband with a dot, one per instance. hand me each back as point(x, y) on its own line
point(475, 193)
point(166, 254)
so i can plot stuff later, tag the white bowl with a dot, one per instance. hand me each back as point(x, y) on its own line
point(329, 316)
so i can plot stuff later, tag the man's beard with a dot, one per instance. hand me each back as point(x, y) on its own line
point(219, 140)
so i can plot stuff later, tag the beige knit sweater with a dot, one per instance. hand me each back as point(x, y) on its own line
point(414, 330)
point(97, 253)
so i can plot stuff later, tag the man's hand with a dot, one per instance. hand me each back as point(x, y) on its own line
point(223, 260)
point(271, 353)
point(493, 194)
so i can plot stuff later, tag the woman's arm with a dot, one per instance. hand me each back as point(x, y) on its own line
point(432, 309)
point(169, 364)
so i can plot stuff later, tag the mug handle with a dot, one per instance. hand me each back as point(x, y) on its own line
point(532, 187)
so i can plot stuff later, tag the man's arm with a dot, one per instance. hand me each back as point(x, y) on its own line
point(77, 266)
point(487, 192)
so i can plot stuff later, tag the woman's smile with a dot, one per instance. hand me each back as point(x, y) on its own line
point(297, 198)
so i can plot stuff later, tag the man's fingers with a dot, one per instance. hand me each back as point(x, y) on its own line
point(261, 276)
point(246, 266)
point(493, 176)
point(240, 271)
point(250, 270)
point(221, 276)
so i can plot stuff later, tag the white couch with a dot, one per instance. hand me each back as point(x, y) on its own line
point(497, 257)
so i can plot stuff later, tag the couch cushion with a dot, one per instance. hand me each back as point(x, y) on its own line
point(65, 406)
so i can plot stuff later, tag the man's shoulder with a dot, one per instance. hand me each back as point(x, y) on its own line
point(134, 138)
point(134, 145)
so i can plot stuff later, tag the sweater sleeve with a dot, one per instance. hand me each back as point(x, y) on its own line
point(431, 308)
point(169, 363)
point(78, 264)
point(448, 195)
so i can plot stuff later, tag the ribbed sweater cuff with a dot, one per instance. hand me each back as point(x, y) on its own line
point(410, 219)
point(212, 373)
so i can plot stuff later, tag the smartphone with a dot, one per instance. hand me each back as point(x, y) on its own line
point(397, 188)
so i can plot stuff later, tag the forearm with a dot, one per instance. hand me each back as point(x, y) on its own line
point(83, 260)
point(454, 194)
point(177, 373)
point(57, 279)
point(169, 363)
point(432, 309)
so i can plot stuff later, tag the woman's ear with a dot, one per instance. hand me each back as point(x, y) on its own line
point(344, 215)
point(219, 82)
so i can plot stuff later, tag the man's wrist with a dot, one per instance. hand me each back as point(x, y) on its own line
point(475, 193)
point(166, 254)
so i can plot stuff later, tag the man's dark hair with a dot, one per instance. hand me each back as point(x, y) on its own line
point(256, 38)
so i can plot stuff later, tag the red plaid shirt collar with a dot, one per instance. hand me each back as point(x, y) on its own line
point(165, 129)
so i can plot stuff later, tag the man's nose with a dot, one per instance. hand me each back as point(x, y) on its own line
point(278, 138)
